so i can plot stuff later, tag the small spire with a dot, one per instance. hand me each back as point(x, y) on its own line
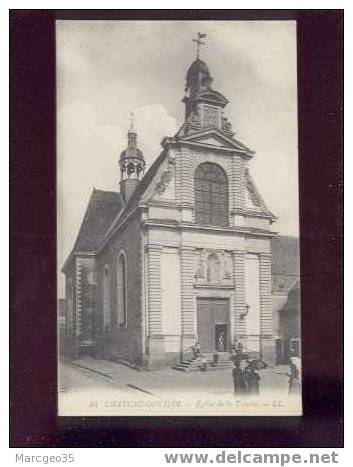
point(199, 42)
point(131, 163)
point(132, 129)
point(131, 134)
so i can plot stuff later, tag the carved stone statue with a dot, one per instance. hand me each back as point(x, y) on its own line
point(213, 268)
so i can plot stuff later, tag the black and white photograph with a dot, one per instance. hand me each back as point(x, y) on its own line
point(177, 213)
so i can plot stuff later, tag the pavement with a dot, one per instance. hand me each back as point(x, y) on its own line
point(89, 373)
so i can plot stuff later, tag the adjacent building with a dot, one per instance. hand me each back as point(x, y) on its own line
point(286, 297)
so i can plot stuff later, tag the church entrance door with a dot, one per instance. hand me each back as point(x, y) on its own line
point(213, 325)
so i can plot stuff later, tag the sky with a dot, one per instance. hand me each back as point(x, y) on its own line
point(108, 69)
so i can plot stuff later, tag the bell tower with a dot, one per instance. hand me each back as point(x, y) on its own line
point(132, 164)
point(203, 105)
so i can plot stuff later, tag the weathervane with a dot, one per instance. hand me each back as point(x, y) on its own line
point(199, 42)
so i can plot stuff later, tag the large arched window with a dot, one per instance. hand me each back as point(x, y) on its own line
point(121, 277)
point(211, 195)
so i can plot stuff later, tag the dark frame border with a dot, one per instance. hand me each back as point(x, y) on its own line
point(33, 249)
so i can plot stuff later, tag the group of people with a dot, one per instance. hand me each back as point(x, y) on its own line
point(245, 374)
point(246, 379)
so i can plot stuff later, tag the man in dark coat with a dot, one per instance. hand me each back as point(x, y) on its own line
point(253, 380)
point(238, 379)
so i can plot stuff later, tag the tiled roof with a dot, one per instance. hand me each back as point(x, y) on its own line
point(102, 209)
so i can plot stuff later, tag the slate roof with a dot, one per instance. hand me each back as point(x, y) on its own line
point(198, 66)
point(285, 255)
point(285, 263)
point(133, 153)
point(293, 301)
point(102, 209)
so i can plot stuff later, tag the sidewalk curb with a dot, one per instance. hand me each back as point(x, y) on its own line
point(91, 369)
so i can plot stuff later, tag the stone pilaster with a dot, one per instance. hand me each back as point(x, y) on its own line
point(239, 296)
point(187, 300)
point(154, 290)
point(267, 348)
point(155, 319)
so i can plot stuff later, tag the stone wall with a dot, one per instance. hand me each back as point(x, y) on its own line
point(86, 300)
point(191, 248)
point(124, 342)
point(69, 344)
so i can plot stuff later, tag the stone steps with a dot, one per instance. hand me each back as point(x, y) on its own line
point(194, 364)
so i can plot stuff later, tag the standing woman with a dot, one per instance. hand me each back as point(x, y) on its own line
point(294, 380)
point(221, 342)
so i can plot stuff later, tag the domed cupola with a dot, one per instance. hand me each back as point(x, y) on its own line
point(198, 78)
point(132, 164)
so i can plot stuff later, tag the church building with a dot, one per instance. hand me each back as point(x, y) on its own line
point(181, 254)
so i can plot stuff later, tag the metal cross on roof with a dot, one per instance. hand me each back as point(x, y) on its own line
point(199, 42)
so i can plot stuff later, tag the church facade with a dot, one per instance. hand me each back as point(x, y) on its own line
point(182, 254)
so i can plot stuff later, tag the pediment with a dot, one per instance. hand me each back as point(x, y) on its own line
point(217, 139)
point(214, 141)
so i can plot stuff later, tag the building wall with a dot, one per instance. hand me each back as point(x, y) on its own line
point(278, 301)
point(172, 262)
point(163, 319)
point(70, 294)
point(86, 300)
point(285, 276)
point(252, 287)
point(81, 304)
point(68, 345)
point(171, 297)
point(123, 343)
point(173, 301)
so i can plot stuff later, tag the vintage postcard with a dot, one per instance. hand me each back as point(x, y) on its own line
point(178, 225)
